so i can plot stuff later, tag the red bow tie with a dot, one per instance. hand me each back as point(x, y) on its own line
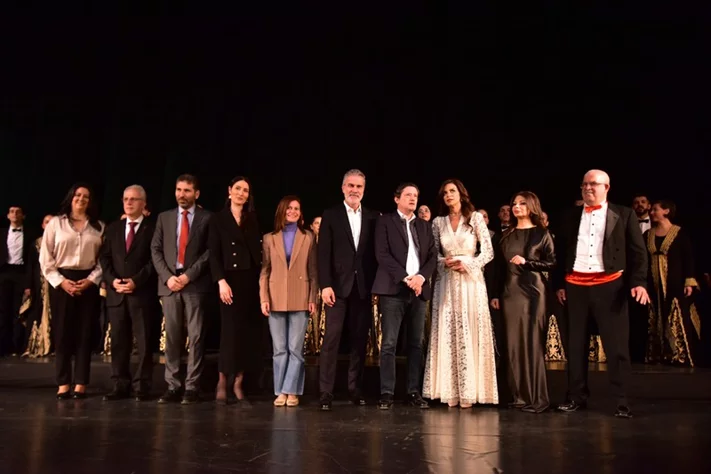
point(593, 208)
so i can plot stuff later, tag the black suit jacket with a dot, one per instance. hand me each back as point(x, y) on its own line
point(340, 265)
point(232, 246)
point(623, 246)
point(29, 253)
point(136, 264)
point(391, 246)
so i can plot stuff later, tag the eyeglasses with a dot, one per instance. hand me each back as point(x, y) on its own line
point(132, 199)
point(591, 185)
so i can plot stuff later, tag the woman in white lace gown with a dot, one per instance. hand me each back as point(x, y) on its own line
point(460, 367)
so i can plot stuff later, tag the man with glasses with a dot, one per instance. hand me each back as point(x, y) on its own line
point(130, 295)
point(604, 260)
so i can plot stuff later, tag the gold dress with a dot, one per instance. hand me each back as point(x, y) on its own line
point(40, 341)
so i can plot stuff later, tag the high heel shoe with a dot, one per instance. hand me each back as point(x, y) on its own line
point(64, 395)
point(221, 392)
point(280, 401)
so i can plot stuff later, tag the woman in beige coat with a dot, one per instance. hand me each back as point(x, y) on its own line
point(288, 291)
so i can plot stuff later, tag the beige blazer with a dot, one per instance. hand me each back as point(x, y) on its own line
point(292, 288)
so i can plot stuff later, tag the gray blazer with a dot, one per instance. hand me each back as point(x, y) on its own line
point(164, 251)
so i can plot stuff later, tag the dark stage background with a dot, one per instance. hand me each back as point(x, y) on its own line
point(504, 100)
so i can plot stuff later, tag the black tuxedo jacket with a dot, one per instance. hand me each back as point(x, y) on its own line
point(29, 253)
point(136, 264)
point(623, 246)
point(391, 246)
point(340, 265)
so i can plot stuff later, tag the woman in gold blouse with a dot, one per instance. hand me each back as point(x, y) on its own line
point(69, 261)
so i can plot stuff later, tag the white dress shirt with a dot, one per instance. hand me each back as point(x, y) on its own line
point(355, 219)
point(412, 266)
point(645, 226)
point(591, 236)
point(138, 225)
point(14, 246)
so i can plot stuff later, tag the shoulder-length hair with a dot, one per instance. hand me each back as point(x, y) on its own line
point(249, 204)
point(667, 205)
point(280, 214)
point(467, 206)
point(65, 208)
point(535, 212)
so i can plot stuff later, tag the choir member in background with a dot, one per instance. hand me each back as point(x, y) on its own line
point(39, 342)
point(404, 248)
point(674, 323)
point(15, 281)
point(524, 256)
point(639, 315)
point(605, 260)
point(180, 258)
point(346, 270)
point(424, 213)
point(641, 207)
point(505, 217)
point(316, 326)
point(69, 259)
point(316, 226)
point(485, 215)
point(288, 290)
point(130, 295)
point(235, 262)
point(460, 367)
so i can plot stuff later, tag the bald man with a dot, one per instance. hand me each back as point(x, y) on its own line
point(605, 261)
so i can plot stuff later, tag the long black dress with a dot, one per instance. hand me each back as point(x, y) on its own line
point(674, 324)
point(523, 290)
point(235, 255)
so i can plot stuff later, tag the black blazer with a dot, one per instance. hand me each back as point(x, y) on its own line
point(391, 246)
point(340, 266)
point(29, 253)
point(232, 246)
point(623, 246)
point(136, 264)
point(539, 254)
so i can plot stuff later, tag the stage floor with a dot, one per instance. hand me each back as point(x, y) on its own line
point(40, 435)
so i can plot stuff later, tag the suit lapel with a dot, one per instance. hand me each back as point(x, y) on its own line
point(400, 227)
point(197, 220)
point(278, 240)
point(139, 234)
point(298, 242)
point(612, 218)
point(347, 225)
point(172, 232)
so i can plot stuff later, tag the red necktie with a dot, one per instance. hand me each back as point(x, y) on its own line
point(131, 235)
point(593, 208)
point(184, 234)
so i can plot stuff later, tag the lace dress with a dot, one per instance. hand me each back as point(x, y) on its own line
point(460, 365)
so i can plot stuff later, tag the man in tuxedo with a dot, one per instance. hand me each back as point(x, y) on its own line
point(639, 315)
point(504, 217)
point(406, 255)
point(641, 207)
point(346, 270)
point(181, 259)
point(605, 261)
point(16, 251)
point(130, 295)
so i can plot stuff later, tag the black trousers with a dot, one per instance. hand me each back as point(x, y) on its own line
point(72, 319)
point(12, 333)
point(133, 317)
point(607, 305)
point(356, 311)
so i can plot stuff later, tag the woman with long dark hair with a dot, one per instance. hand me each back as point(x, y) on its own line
point(69, 260)
point(288, 291)
point(524, 255)
point(460, 366)
point(235, 262)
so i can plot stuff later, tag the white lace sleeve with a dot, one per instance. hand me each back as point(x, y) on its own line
point(436, 230)
point(475, 264)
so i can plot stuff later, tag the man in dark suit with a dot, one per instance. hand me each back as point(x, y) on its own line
point(406, 255)
point(346, 270)
point(16, 251)
point(180, 256)
point(130, 295)
point(605, 261)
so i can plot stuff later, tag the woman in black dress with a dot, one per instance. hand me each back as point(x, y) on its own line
point(674, 323)
point(235, 262)
point(525, 254)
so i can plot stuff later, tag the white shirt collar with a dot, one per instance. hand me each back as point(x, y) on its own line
point(190, 210)
point(137, 221)
point(350, 209)
point(403, 216)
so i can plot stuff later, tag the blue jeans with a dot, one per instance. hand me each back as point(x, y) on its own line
point(395, 308)
point(288, 329)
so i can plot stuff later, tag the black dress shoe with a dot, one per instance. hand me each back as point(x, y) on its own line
point(532, 409)
point(385, 402)
point(357, 399)
point(79, 396)
point(171, 396)
point(623, 411)
point(142, 396)
point(116, 394)
point(190, 398)
point(64, 395)
point(416, 400)
point(326, 401)
point(571, 406)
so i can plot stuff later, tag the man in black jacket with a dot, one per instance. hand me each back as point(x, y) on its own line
point(130, 295)
point(404, 248)
point(604, 261)
point(346, 270)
